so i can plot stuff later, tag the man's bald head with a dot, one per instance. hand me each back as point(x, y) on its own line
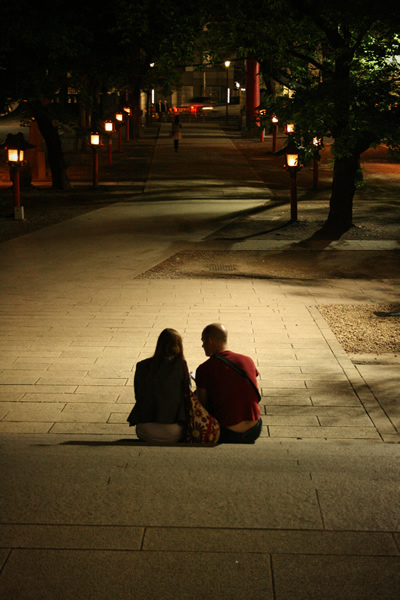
point(214, 338)
point(217, 332)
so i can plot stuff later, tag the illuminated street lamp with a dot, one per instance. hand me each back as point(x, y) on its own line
point(274, 121)
point(128, 114)
point(15, 158)
point(15, 145)
point(227, 65)
point(289, 128)
point(317, 145)
point(292, 160)
point(109, 129)
point(293, 166)
point(95, 143)
point(95, 139)
point(119, 117)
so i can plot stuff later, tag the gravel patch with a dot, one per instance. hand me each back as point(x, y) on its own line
point(364, 328)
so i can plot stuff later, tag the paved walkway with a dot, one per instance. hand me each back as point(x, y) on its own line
point(75, 319)
point(87, 512)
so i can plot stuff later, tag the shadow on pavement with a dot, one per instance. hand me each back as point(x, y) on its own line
point(127, 442)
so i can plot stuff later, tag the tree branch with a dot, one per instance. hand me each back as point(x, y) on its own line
point(309, 60)
point(280, 77)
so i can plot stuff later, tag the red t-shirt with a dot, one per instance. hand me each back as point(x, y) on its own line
point(232, 398)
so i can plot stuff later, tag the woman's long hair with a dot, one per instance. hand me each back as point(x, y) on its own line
point(169, 345)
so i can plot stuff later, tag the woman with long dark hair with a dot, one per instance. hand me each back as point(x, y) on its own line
point(160, 385)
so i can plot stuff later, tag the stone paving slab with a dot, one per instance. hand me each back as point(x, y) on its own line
point(383, 515)
point(383, 381)
point(233, 575)
point(329, 578)
point(180, 539)
point(24, 427)
point(141, 575)
point(82, 537)
point(354, 431)
point(271, 541)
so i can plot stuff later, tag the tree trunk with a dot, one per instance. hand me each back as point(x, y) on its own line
point(343, 188)
point(54, 148)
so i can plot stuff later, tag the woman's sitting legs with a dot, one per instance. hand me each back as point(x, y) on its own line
point(160, 433)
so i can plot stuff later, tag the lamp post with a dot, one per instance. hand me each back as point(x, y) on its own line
point(261, 122)
point(274, 121)
point(15, 158)
point(128, 113)
point(109, 129)
point(227, 65)
point(15, 145)
point(317, 145)
point(95, 143)
point(292, 165)
point(119, 117)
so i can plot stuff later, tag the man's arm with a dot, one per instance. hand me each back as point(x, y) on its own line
point(202, 396)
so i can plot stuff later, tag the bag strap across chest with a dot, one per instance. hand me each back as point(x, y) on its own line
point(239, 370)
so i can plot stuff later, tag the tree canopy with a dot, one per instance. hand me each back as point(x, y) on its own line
point(340, 61)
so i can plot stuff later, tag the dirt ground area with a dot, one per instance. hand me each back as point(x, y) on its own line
point(293, 263)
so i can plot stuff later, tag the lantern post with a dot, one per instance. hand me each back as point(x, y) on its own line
point(119, 117)
point(128, 113)
point(95, 143)
point(15, 158)
point(261, 123)
point(109, 129)
point(317, 145)
point(293, 166)
point(227, 65)
point(15, 145)
point(274, 121)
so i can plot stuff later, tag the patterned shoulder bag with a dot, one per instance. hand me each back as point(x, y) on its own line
point(201, 427)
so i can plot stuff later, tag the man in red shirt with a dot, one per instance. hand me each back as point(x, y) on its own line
point(229, 391)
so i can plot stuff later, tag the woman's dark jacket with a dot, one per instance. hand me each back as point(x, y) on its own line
point(160, 388)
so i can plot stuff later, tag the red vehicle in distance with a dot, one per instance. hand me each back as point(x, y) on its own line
point(195, 106)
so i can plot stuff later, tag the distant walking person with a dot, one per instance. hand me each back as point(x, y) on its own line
point(161, 109)
point(176, 132)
